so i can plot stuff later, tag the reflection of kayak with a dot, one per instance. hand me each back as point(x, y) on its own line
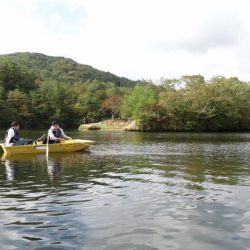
point(64, 146)
point(26, 157)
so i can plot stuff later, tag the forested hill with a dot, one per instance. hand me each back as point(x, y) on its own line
point(44, 67)
point(36, 89)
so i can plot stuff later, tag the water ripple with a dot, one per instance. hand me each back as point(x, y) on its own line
point(131, 191)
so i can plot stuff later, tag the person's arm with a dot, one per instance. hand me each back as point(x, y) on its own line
point(64, 135)
point(11, 134)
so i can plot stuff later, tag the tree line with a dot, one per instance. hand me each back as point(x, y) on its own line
point(191, 104)
point(37, 95)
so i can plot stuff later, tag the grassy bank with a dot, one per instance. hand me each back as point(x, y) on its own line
point(109, 125)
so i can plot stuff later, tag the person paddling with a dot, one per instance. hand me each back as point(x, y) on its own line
point(56, 134)
point(12, 136)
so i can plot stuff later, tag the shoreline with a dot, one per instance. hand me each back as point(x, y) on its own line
point(132, 127)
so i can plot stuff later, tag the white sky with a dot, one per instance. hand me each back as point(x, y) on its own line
point(138, 39)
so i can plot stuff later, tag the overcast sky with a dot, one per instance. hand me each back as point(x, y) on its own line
point(138, 39)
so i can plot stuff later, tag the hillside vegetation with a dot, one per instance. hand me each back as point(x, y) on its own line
point(62, 69)
point(36, 89)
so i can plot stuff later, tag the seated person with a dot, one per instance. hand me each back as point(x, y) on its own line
point(56, 134)
point(12, 137)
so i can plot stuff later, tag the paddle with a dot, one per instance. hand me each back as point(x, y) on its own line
point(41, 138)
point(47, 148)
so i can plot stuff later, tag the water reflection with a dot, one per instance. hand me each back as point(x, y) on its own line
point(11, 170)
point(130, 191)
point(53, 163)
point(54, 169)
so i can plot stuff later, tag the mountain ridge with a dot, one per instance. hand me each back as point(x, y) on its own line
point(60, 68)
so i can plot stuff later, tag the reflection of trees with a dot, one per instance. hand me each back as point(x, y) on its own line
point(204, 164)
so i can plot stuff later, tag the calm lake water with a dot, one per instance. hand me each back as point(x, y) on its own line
point(130, 191)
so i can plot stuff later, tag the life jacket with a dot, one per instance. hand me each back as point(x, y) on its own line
point(57, 133)
point(15, 138)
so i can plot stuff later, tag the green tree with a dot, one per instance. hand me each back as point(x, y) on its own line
point(230, 101)
point(18, 102)
point(141, 105)
point(13, 76)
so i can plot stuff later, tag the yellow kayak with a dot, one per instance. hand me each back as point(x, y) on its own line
point(64, 146)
